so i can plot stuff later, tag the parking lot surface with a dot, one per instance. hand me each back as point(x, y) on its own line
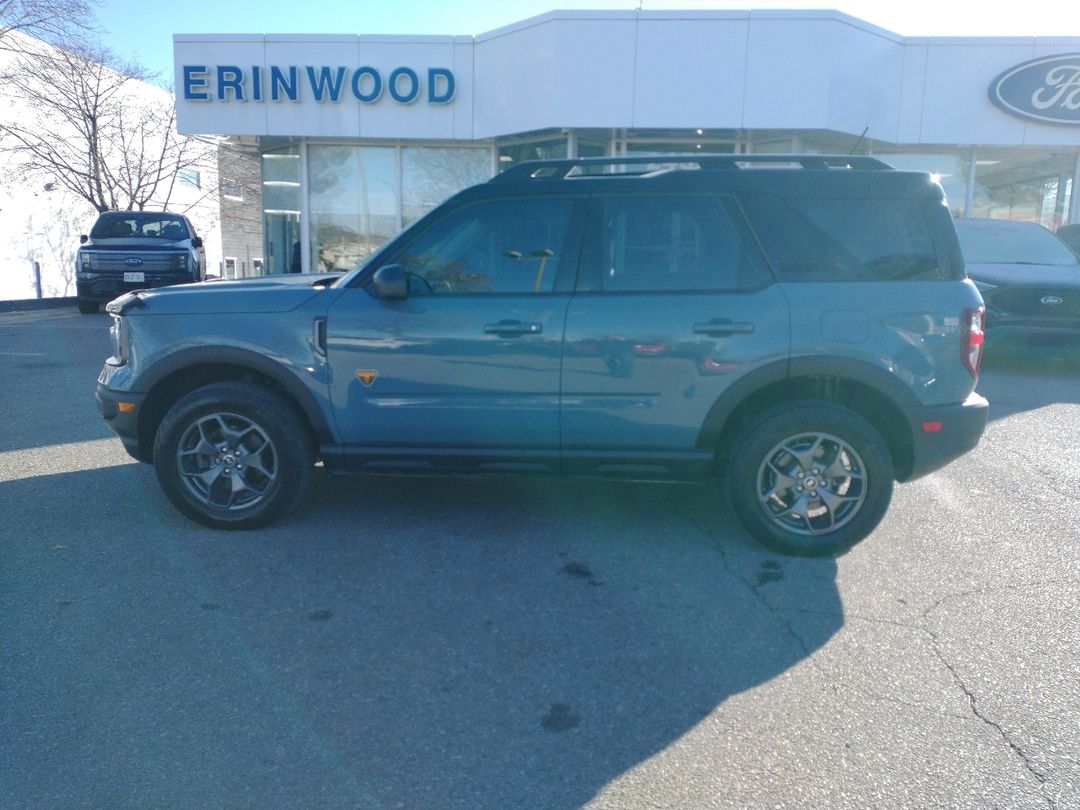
point(518, 643)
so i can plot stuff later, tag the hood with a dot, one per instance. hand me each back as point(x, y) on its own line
point(231, 297)
point(1027, 275)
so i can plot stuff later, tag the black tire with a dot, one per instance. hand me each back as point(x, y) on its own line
point(233, 455)
point(88, 307)
point(810, 478)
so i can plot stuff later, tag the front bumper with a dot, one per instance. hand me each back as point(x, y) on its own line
point(108, 286)
point(121, 410)
point(943, 433)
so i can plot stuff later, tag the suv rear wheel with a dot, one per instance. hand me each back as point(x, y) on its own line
point(233, 455)
point(810, 478)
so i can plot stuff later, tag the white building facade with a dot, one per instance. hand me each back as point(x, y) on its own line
point(359, 135)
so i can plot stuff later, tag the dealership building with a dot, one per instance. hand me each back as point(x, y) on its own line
point(354, 137)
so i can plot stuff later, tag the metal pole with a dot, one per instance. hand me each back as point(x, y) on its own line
point(969, 201)
point(1073, 214)
point(37, 278)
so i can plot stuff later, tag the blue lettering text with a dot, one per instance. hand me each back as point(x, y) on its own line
point(279, 83)
point(413, 83)
point(195, 82)
point(446, 93)
point(230, 77)
point(375, 83)
point(324, 81)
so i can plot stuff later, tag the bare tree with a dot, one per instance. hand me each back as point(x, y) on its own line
point(50, 20)
point(98, 130)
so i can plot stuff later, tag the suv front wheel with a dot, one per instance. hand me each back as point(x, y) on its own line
point(233, 455)
point(810, 478)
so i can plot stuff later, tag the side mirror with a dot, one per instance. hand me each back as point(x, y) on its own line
point(83, 238)
point(390, 283)
point(197, 242)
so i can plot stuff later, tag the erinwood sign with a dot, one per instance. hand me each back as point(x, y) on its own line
point(325, 83)
point(1045, 90)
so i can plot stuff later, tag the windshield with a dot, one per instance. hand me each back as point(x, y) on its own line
point(1011, 243)
point(139, 224)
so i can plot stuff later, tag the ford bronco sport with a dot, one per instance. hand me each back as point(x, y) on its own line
point(131, 250)
point(800, 326)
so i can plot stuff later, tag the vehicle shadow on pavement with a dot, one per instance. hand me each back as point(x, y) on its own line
point(397, 643)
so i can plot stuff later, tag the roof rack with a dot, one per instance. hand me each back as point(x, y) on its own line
point(662, 164)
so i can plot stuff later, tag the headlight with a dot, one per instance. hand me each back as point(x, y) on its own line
point(118, 333)
point(83, 267)
point(180, 262)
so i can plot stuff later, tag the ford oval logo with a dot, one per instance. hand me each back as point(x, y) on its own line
point(1052, 300)
point(134, 261)
point(1046, 90)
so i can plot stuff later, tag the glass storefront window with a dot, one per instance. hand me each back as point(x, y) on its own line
point(281, 210)
point(359, 196)
point(770, 144)
point(353, 203)
point(551, 147)
point(430, 174)
point(593, 144)
point(680, 141)
point(1023, 185)
point(951, 170)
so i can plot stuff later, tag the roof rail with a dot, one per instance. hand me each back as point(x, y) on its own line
point(657, 164)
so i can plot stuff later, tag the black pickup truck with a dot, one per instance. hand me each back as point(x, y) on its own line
point(133, 250)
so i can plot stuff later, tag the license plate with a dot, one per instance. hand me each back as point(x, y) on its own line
point(134, 276)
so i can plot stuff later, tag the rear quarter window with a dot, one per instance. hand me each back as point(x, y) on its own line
point(846, 239)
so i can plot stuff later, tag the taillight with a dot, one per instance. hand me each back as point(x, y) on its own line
point(972, 339)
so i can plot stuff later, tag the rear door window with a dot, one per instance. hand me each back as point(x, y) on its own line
point(669, 242)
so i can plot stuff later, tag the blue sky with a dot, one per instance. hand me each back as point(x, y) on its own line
point(135, 30)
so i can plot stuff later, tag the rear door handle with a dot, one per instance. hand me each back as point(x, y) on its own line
point(513, 328)
point(723, 326)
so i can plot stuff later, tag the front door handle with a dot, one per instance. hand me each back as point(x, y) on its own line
point(513, 328)
point(723, 326)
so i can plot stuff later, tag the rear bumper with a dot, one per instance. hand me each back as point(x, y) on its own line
point(943, 433)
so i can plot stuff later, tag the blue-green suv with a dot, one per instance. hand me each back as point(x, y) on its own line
point(798, 327)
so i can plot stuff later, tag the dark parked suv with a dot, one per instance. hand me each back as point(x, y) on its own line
point(132, 250)
point(800, 327)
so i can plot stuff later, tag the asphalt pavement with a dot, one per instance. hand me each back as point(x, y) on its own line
point(516, 643)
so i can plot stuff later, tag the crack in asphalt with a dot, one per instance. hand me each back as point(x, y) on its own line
point(1041, 777)
point(976, 712)
point(1017, 749)
point(1045, 478)
point(969, 695)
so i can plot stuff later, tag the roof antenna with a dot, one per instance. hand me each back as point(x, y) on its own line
point(860, 140)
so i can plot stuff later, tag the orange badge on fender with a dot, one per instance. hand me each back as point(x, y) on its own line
point(366, 377)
